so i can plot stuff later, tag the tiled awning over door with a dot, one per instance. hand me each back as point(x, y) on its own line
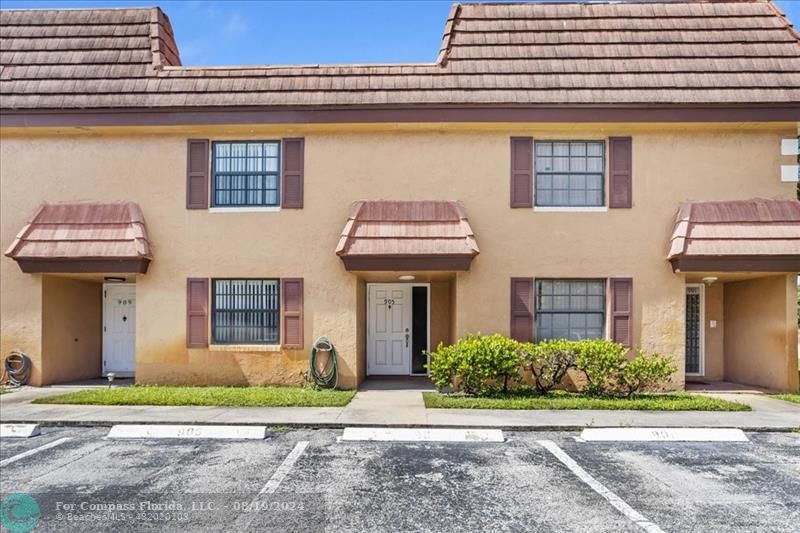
point(759, 235)
point(83, 237)
point(411, 235)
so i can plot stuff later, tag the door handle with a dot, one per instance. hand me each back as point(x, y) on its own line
point(407, 336)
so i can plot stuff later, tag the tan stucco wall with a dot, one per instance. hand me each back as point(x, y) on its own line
point(346, 163)
point(72, 330)
point(20, 313)
point(440, 319)
point(714, 337)
point(760, 342)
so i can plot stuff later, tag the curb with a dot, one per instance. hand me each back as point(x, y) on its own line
point(342, 425)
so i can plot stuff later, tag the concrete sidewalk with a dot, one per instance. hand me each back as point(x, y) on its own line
point(394, 407)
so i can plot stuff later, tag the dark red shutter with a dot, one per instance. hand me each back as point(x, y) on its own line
point(292, 179)
point(521, 172)
point(621, 172)
point(621, 310)
point(197, 174)
point(196, 312)
point(522, 309)
point(292, 313)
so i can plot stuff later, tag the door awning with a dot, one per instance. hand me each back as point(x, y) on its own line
point(407, 235)
point(758, 235)
point(83, 238)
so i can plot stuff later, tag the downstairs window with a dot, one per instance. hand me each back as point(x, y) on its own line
point(245, 311)
point(572, 309)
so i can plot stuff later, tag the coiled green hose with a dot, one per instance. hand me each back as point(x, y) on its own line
point(328, 376)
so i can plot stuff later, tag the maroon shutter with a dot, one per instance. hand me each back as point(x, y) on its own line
point(621, 172)
point(196, 312)
point(522, 309)
point(292, 313)
point(197, 174)
point(292, 179)
point(621, 310)
point(521, 172)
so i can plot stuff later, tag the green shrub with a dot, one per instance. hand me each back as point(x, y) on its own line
point(548, 362)
point(609, 371)
point(644, 372)
point(602, 362)
point(476, 364)
point(442, 366)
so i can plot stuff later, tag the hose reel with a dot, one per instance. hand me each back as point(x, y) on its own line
point(325, 376)
point(17, 368)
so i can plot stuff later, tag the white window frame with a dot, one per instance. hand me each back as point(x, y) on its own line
point(702, 371)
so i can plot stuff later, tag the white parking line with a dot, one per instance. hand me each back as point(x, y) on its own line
point(599, 488)
point(282, 470)
point(28, 453)
point(244, 520)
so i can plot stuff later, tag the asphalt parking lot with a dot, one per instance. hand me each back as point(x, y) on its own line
point(90, 482)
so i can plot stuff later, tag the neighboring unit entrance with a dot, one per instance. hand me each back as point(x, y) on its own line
point(397, 328)
point(119, 329)
point(695, 338)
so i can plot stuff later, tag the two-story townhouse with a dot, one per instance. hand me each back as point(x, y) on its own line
point(616, 170)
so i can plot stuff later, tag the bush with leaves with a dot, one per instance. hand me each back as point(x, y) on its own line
point(644, 372)
point(609, 371)
point(477, 364)
point(548, 362)
point(602, 362)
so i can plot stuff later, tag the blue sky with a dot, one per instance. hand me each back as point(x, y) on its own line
point(297, 32)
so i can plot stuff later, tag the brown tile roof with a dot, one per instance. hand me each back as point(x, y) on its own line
point(407, 235)
point(738, 52)
point(758, 228)
point(81, 232)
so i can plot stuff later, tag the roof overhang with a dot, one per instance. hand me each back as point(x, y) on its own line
point(182, 116)
point(394, 263)
point(80, 238)
point(759, 235)
point(745, 263)
point(407, 236)
point(84, 266)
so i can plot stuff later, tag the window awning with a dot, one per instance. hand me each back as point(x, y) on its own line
point(410, 235)
point(758, 235)
point(83, 238)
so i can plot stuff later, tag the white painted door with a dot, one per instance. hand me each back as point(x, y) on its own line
point(388, 329)
point(119, 329)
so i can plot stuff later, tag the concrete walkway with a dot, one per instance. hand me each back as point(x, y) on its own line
point(393, 404)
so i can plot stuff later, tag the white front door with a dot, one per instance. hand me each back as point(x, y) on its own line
point(119, 329)
point(388, 329)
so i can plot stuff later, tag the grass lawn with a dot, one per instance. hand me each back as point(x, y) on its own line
point(212, 396)
point(678, 401)
point(794, 398)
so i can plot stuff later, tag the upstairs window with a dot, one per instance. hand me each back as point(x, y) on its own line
point(245, 311)
point(572, 309)
point(246, 174)
point(570, 173)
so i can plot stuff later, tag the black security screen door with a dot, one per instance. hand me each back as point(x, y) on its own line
point(693, 325)
point(419, 330)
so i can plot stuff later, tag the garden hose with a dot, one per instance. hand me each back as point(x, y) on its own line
point(17, 368)
point(328, 376)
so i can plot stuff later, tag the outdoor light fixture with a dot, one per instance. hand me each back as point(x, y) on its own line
point(113, 279)
point(111, 377)
point(406, 277)
point(709, 280)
